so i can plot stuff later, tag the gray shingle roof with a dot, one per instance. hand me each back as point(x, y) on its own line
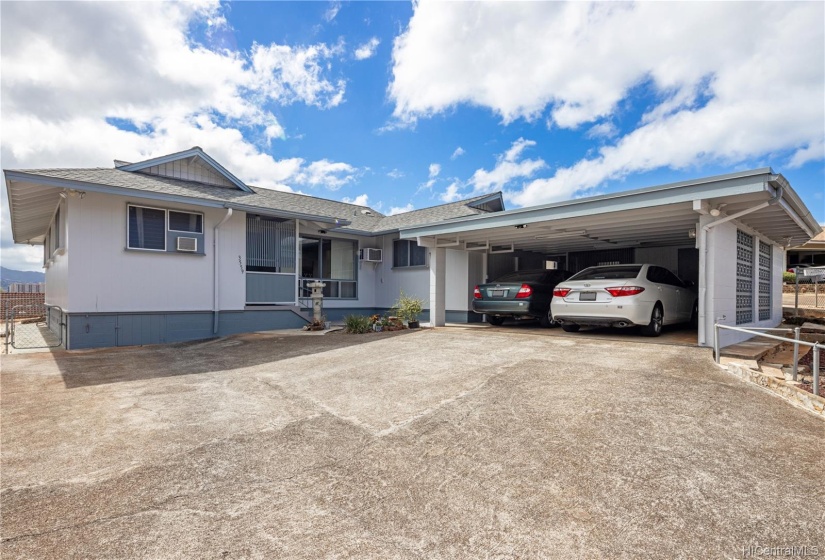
point(361, 218)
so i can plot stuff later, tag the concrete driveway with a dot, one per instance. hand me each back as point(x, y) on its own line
point(447, 443)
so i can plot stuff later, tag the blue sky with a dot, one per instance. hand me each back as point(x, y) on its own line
point(401, 106)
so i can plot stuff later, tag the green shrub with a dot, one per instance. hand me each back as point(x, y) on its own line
point(408, 308)
point(356, 324)
point(789, 278)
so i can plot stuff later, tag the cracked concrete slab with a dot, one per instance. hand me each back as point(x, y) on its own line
point(446, 443)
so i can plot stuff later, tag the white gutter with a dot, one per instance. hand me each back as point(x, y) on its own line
point(703, 257)
point(216, 273)
point(794, 215)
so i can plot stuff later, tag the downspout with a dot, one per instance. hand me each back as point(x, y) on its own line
point(216, 286)
point(703, 257)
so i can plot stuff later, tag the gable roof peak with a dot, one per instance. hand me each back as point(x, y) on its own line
point(194, 152)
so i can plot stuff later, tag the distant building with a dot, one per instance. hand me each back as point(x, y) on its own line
point(27, 288)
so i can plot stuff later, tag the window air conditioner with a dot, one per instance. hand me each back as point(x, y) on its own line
point(188, 244)
point(369, 255)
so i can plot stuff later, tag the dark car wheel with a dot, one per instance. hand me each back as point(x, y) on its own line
point(694, 315)
point(546, 320)
point(569, 328)
point(654, 327)
point(495, 321)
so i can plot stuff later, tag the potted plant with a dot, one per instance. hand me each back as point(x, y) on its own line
point(408, 309)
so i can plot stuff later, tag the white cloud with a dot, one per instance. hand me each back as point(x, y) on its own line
point(360, 200)
point(131, 82)
point(434, 170)
point(720, 92)
point(457, 153)
point(287, 74)
point(330, 174)
point(603, 130)
point(395, 174)
point(401, 209)
point(812, 152)
point(367, 50)
point(508, 167)
point(332, 11)
point(452, 193)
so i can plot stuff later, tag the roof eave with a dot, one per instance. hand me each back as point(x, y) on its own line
point(722, 185)
point(152, 195)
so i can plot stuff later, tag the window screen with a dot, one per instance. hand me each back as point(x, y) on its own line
point(147, 228)
point(185, 221)
point(407, 253)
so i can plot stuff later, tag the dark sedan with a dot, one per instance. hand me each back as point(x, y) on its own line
point(520, 295)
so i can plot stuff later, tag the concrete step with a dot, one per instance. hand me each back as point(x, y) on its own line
point(750, 349)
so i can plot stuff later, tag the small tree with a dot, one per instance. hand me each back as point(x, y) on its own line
point(408, 308)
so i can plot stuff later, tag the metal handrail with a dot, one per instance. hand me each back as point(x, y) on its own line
point(755, 331)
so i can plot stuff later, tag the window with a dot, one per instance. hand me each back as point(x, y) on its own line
point(147, 228)
point(333, 261)
point(621, 272)
point(765, 258)
point(660, 275)
point(185, 222)
point(158, 229)
point(270, 245)
point(56, 230)
point(744, 277)
point(406, 253)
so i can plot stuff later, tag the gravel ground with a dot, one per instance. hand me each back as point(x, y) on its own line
point(445, 443)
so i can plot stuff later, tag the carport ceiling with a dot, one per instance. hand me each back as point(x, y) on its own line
point(631, 228)
point(32, 207)
point(652, 217)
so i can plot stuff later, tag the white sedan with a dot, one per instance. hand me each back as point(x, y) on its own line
point(624, 295)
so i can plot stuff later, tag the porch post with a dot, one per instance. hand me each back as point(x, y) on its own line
point(438, 273)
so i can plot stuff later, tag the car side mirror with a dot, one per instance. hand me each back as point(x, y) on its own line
point(690, 284)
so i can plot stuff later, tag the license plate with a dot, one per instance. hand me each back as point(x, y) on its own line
point(497, 293)
point(587, 296)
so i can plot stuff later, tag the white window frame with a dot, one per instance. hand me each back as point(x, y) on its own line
point(165, 224)
point(169, 227)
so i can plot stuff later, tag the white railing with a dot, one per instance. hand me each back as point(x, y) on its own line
point(796, 344)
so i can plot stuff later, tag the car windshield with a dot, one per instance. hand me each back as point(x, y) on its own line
point(532, 276)
point(608, 272)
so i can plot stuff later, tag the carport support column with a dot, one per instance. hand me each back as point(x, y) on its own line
point(438, 286)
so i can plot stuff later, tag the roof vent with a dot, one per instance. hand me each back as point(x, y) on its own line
point(366, 211)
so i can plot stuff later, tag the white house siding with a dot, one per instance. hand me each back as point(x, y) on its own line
point(106, 277)
point(389, 282)
point(57, 273)
point(722, 286)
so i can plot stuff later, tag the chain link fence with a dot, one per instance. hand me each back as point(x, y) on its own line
point(804, 293)
point(29, 322)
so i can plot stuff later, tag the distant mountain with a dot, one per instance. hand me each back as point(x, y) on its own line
point(7, 276)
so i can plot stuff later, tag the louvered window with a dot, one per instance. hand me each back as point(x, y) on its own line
point(765, 258)
point(744, 277)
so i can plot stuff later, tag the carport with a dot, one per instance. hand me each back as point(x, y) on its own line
point(727, 233)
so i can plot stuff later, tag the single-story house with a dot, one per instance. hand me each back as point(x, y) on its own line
point(177, 248)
